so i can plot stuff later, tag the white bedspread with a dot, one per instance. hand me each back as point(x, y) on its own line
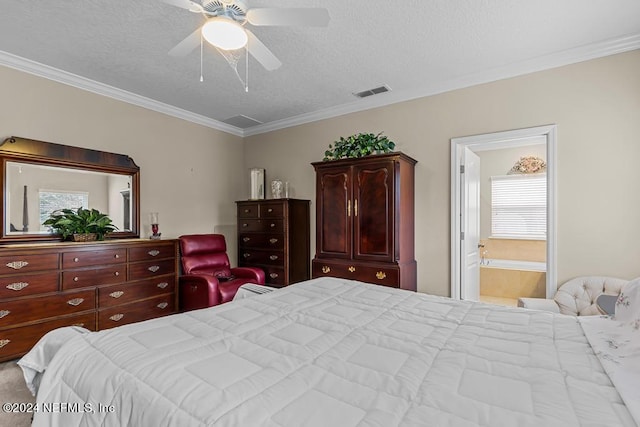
point(335, 353)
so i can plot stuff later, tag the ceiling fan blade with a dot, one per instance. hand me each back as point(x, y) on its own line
point(261, 53)
point(187, 45)
point(310, 17)
point(184, 4)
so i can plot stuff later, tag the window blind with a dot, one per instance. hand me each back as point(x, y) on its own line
point(519, 206)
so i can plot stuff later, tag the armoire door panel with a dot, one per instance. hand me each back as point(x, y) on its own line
point(374, 216)
point(335, 213)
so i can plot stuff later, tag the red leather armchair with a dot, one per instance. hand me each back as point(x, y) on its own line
point(207, 278)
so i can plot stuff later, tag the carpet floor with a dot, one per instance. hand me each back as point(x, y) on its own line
point(13, 390)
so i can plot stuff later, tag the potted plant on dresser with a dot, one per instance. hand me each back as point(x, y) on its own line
point(80, 225)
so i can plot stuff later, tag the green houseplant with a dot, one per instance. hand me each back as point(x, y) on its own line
point(74, 223)
point(359, 145)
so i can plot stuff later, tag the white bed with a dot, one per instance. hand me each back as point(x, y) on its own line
point(333, 352)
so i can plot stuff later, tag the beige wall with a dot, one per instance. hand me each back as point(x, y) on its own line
point(190, 174)
point(596, 105)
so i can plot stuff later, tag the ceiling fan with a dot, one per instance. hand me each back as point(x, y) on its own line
point(226, 26)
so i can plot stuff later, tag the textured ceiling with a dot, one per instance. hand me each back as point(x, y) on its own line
point(414, 47)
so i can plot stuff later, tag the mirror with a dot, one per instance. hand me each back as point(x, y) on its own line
point(41, 177)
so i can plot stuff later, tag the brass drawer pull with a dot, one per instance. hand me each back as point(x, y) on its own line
point(273, 257)
point(4, 313)
point(116, 256)
point(247, 210)
point(76, 259)
point(17, 265)
point(246, 255)
point(154, 268)
point(245, 224)
point(381, 275)
point(273, 275)
point(272, 225)
point(116, 317)
point(4, 342)
point(75, 302)
point(116, 294)
point(273, 240)
point(246, 239)
point(269, 210)
point(76, 278)
point(154, 252)
point(162, 285)
point(326, 269)
point(162, 305)
point(352, 269)
point(17, 286)
point(116, 273)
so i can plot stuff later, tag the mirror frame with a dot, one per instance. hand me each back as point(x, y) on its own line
point(23, 150)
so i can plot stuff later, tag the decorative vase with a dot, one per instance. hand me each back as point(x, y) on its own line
point(276, 189)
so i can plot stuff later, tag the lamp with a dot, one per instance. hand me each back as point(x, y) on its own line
point(224, 33)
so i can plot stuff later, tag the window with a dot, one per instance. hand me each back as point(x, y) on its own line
point(53, 200)
point(519, 206)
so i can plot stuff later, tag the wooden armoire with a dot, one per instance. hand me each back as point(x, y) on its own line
point(365, 220)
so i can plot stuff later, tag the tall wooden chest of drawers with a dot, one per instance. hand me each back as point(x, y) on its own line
point(274, 235)
point(94, 285)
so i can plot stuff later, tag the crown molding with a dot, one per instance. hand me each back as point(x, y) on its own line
point(559, 59)
point(570, 56)
point(70, 79)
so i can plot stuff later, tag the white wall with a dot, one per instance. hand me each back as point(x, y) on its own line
point(190, 174)
point(596, 105)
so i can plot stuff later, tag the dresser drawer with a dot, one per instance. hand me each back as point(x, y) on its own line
point(86, 258)
point(30, 309)
point(109, 296)
point(136, 312)
point(26, 263)
point(151, 252)
point(272, 210)
point(143, 270)
point(262, 257)
point(72, 279)
point(28, 284)
point(248, 210)
point(386, 276)
point(266, 241)
point(272, 225)
point(17, 341)
point(274, 277)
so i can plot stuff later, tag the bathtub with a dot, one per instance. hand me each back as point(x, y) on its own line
point(510, 264)
point(512, 278)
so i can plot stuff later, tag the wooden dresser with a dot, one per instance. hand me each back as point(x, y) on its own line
point(98, 285)
point(365, 220)
point(274, 235)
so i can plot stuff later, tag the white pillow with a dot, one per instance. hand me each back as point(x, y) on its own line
point(628, 303)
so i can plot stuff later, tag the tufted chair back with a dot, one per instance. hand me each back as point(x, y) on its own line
point(204, 253)
point(578, 296)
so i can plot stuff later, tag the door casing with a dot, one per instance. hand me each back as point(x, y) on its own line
point(503, 140)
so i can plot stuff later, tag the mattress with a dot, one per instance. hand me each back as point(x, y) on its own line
point(334, 352)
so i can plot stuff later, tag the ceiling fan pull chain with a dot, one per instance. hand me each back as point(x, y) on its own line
point(201, 50)
point(246, 68)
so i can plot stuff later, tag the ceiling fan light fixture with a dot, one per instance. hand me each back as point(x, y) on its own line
point(224, 33)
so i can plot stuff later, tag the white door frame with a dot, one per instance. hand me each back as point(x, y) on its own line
point(502, 140)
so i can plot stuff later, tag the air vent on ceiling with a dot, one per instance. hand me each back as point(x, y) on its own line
point(241, 121)
point(374, 91)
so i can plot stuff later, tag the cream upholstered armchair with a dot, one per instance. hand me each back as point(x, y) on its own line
point(577, 296)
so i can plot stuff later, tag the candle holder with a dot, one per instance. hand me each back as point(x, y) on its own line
point(153, 219)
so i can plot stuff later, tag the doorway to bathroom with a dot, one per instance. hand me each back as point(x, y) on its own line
point(503, 230)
